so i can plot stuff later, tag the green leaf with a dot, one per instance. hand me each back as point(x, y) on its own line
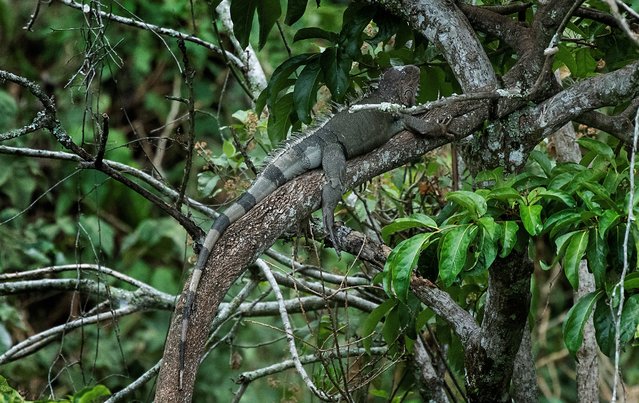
point(9, 394)
point(91, 394)
point(607, 220)
point(295, 11)
point(506, 194)
point(531, 218)
point(206, 183)
point(597, 147)
point(508, 237)
point(228, 148)
point(336, 66)
point(543, 161)
point(268, 11)
point(629, 319)
point(401, 224)
point(559, 196)
point(601, 193)
point(604, 329)
point(561, 180)
point(597, 254)
point(401, 261)
point(573, 328)
point(314, 32)
point(631, 282)
point(279, 80)
point(526, 181)
point(565, 56)
point(585, 63)
point(387, 26)
point(605, 325)
point(561, 221)
point(470, 201)
point(422, 319)
point(453, 250)
point(488, 249)
point(392, 325)
point(242, 13)
point(356, 17)
point(562, 242)
point(574, 253)
point(369, 325)
point(305, 92)
point(279, 120)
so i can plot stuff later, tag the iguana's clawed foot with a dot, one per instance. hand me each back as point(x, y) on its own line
point(444, 122)
point(329, 231)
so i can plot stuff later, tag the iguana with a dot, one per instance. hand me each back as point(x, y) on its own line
point(344, 136)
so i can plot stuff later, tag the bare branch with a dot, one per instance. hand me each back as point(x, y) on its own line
point(159, 30)
point(50, 334)
point(247, 377)
point(133, 386)
point(288, 331)
point(444, 306)
point(607, 89)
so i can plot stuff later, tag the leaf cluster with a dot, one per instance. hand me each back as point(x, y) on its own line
point(578, 211)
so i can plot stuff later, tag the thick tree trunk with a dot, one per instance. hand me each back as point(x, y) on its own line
point(491, 354)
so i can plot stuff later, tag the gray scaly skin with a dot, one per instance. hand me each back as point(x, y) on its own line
point(342, 137)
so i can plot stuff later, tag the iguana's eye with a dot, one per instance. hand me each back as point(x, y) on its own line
point(409, 96)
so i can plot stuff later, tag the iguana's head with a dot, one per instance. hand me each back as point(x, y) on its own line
point(400, 84)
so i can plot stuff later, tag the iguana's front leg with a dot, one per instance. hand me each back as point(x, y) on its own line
point(426, 127)
point(334, 166)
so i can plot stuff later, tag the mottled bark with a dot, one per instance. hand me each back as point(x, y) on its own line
point(587, 355)
point(524, 382)
point(490, 355)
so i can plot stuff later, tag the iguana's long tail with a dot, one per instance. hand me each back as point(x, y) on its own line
point(298, 158)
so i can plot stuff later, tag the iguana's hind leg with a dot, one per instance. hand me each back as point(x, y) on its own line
point(334, 166)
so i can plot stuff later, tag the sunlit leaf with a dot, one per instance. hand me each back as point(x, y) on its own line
point(543, 161)
point(404, 223)
point(402, 260)
point(470, 201)
point(508, 237)
point(453, 250)
point(506, 194)
point(574, 253)
point(559, 196)
point(531, 218)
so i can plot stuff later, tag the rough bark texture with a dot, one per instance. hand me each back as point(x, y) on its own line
point(490, 354)
point(524, 381)
point(587, 362)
